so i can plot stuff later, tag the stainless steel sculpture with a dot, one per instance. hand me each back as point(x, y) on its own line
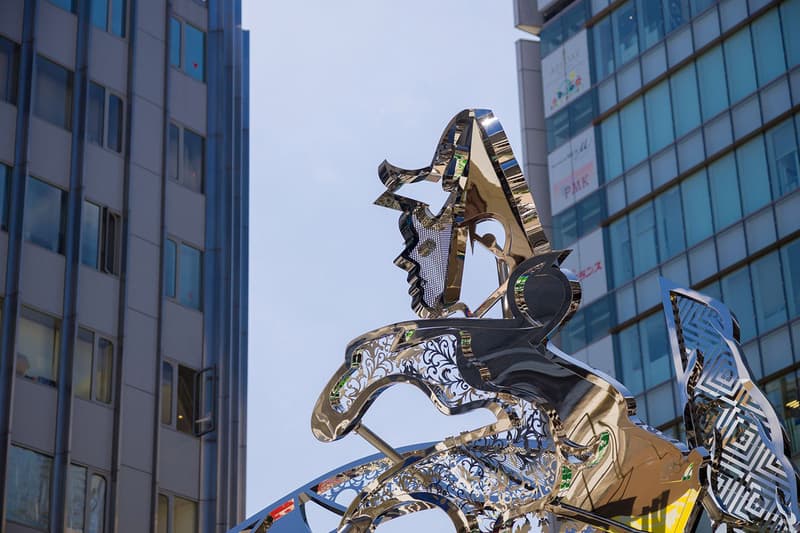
point(567, 452)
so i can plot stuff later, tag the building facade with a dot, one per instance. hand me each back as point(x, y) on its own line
point(661, 139)
point(123, 265)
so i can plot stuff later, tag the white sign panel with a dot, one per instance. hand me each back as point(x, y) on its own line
point(572, 170)
point(565, 74)
point(588, 262)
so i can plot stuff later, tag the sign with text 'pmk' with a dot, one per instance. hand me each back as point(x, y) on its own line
point(572, 171)
point(566, 74)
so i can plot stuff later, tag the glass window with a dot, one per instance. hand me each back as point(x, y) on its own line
point(676, 13)
point(5, 182)
point(103, 372)
point(111, 242)
point(94, 122)
point(76, 498)
point(97, 504)
point(172, 152)
point(565, 227)
point(643, 238)
point(659, 117)
point(603, 48)
point(185, 419)
point(193, 160)
point(90, 234)
point(694, 192)
point(115, 123)
point(194, 52)
point(573, 20)
point(626, 40)
point(185, 516)
point(53, 93)
point(724, 192)
point(174, 42)
point(651, 22)
point(655, 349)
point(768, 292)
point(790, 14)
point(170, 257)
point(590, 212)
point(44, 215)
point(711, 78)
point(28, 487)
point(100, 13)
point(685, 104)
point(82, 364)
point(573, 335)
point(738, 296)
point(597, 318)
point(612, 149)
point(698, 6)
point(118, 15)
point(634, 134)
point(8, 71)
point(37, 346)
point(630, 359)
point(753, 175)
point(768, 47)
point(557, 127)
point(189, 281)
point(782, 155)
point(581, 112)
point(620, 243)
point(69, 5)
point(552, 37)
point(790, 257)
point(166, 393)
point(162, 521)
point(782, 393)
point(739, 65)
point(669, 219)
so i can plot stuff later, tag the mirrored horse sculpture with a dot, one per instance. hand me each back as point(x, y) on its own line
point(567, 451)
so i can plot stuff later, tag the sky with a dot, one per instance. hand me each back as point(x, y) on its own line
point(336, 88)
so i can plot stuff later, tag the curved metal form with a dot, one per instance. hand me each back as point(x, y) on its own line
point(567, 451)
point(750, 477)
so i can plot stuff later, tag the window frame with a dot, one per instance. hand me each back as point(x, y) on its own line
point(56, 327)
point(90, 473)
point(62, 215)
point(11, 75)
point(97, 337)
point(109, 240)
point(180, 157)
point(176, 297)
point(170, 497)
point(202, 416)
point(106, 132)
point(47, 457)
point(70, 92)
point(182, 51)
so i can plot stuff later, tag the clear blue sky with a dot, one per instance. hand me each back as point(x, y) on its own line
point(336, 87)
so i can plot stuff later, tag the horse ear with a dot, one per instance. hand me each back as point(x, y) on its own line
point(543, 294)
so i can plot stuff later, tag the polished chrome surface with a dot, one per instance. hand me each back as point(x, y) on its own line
point(567, 451)
point(752, 484)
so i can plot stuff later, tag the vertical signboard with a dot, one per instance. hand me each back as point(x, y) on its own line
point(565, 73)
point(588, 262)
point(572, 171)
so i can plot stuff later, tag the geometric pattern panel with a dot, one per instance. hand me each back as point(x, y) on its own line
point(751, 483)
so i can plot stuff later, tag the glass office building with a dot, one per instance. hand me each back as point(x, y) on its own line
point(661, 139)
point(123, 265)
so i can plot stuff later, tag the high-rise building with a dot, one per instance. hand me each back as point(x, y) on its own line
point(123, 265)
point(661, 139)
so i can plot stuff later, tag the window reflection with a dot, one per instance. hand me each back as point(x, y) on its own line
point(194, 52)
point(625, 34)
point(53, 100)
point(37, 346)
point(28, 487)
